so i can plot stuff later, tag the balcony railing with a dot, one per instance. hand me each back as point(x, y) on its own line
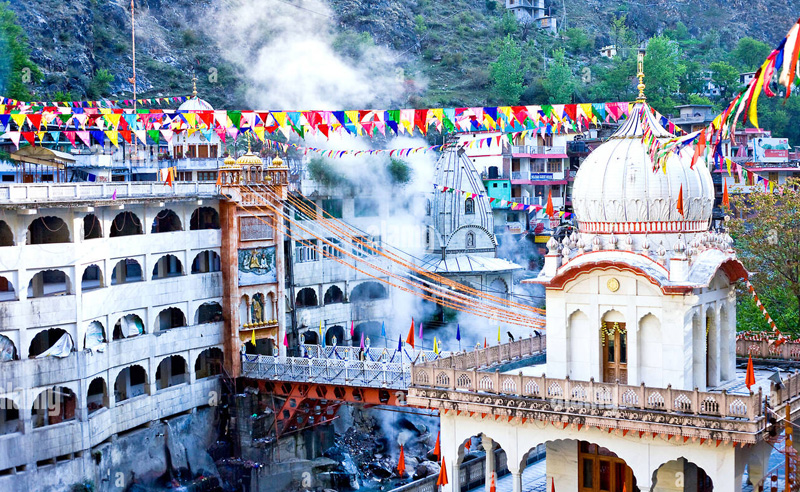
point(101, 191)
point(537, 149)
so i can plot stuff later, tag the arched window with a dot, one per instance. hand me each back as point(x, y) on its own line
point(170, 318)
point(95, 335)
point(54, 342)
point(97, 395)
point(48, 230)
point(205, 262)
point(53, 406)
point(428, 206)
point(6, 237)
point(167, 266)
point(8, 351)
point(128, 326)
point(306, 298)
point(7, 292)
point(333, 295)
point(9, 417)
point(469, 206)
point(91, 227)
point(131, 382)
point(171, 371)
point(49, 283)
point(126, 271)
point(334, 332)
point(368, 291)
point(469, 240)
point(209, 363)
point(166, 221)
point(204, 218)
point(210, 312)
point(92, 278)
point(126, 224)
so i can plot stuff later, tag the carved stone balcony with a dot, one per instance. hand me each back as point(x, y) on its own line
point(468, 383)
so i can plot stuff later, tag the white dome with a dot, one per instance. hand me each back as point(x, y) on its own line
point(617, 191)
point(195, 104)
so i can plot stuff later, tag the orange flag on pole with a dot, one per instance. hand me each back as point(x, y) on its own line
point(680, 201)
point(410, 337)
point(442, 475)
point(219, 178)
point(549, 210)
point(699, 148)
point(401, 463)
point(168, 181)
point(750, 378)
point(437, 450)
point(726, 202)
point(553, 485)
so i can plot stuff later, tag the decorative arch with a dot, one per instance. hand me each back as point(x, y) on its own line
point(7, 292)
point(206, 261)
point(469, 206)
point(209, 363)
point(498, 288)
point(258, 308)
point(126, 271)
point(698, 351)
point(726, 336)
point(370, 329)
point(95, 335)
point(126, 224)
point(651, 363)
point(244, 310)
point(579, 334)
point(8, 351)
point(170, 318)
point(53, 342)
point(469, 240)
point(9, 417)
point(167, 266)
point(53, 406)
point(171, 371)
point(97, 395)
point(310, 337)
point(334, 331)
point(208, 312)
point(333, 295)
point(130, 325)
point(6, 236)
point(712, 346)
point(306, 297)
point(92, 278)
point(667, 472)
point(92, 228)
point(166, 221)
point(204, 218)
point(130, 383)
point(368, 291)
point(48, 230)
point(49, 283)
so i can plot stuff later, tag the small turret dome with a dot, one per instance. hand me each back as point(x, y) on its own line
point(249, 159)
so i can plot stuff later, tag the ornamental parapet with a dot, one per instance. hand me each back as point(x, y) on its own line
point(67, 194)
point(465, 383)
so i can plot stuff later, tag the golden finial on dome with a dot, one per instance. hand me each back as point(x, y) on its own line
point(194, 85)
point(640, 75)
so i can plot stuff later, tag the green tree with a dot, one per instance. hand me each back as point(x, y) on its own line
point(750, 54)
point(100, 84)
point(621, 37)
point(692, 82)
point(578, 41)
point(559, 83)
point(726, 77)
point(506, 73)
point(17, 72)
point(663, 68)
point(615, 82)
point(767, 232)
point(400, 173)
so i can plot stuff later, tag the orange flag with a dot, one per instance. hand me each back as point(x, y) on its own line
point(401, 463)
point(219, 178)
point(699, 147)
point(750, 378)
point(680, 201)
point(442, 475)
point(484, 342)
point(168, 182)
point(553, 485)
point(725, 200)
point(549, 209)
point(410, 337)
point(437, 448)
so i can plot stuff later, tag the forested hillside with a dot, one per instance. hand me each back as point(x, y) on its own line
point(439, 53)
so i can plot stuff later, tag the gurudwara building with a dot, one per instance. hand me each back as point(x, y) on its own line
point(639, 389)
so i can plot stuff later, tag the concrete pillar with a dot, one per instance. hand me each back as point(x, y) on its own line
point(454, 473)
point(487, 444)
point(119, 270)
point(38, 286)
point(516, 481)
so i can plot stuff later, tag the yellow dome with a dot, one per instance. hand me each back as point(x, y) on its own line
point(249, 159)
point(230, 163)
point(277, 162)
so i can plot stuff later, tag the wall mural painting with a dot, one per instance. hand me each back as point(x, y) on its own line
point(257, 266)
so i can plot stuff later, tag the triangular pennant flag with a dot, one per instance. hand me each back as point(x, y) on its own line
point(750, 377)
point(410, 337)
point(679, 205)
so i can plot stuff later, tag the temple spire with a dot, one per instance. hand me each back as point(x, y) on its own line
point(640, 65)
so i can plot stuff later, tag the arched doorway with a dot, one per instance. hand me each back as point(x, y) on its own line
point(681, 473)
point(601, 470)
point(614, 342)
point(336, 331)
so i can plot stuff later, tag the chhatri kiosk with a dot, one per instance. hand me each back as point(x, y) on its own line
point(640, 391)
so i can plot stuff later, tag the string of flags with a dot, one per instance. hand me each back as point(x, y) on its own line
point(781, 66)
point(50, 123)
point(100, 103)
point(502, 203)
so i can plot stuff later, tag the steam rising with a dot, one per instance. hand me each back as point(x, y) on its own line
point(284, 49)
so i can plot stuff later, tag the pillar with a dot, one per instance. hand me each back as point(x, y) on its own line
point(488, 445)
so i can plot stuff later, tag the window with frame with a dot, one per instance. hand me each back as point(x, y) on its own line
point(307, 211)
point(469, 206)
point(365, 207)
point(554, 166)
point(364, 245)
point(305, 251)
point(538, 166)
point(329, 251)
point(332, 208)
point(183, 176)
point(206, 175)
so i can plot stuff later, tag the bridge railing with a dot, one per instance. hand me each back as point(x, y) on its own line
point(484, 357)
point(765, 349)
point(372, 354)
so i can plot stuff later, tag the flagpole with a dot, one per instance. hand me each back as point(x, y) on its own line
point(133, 52)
